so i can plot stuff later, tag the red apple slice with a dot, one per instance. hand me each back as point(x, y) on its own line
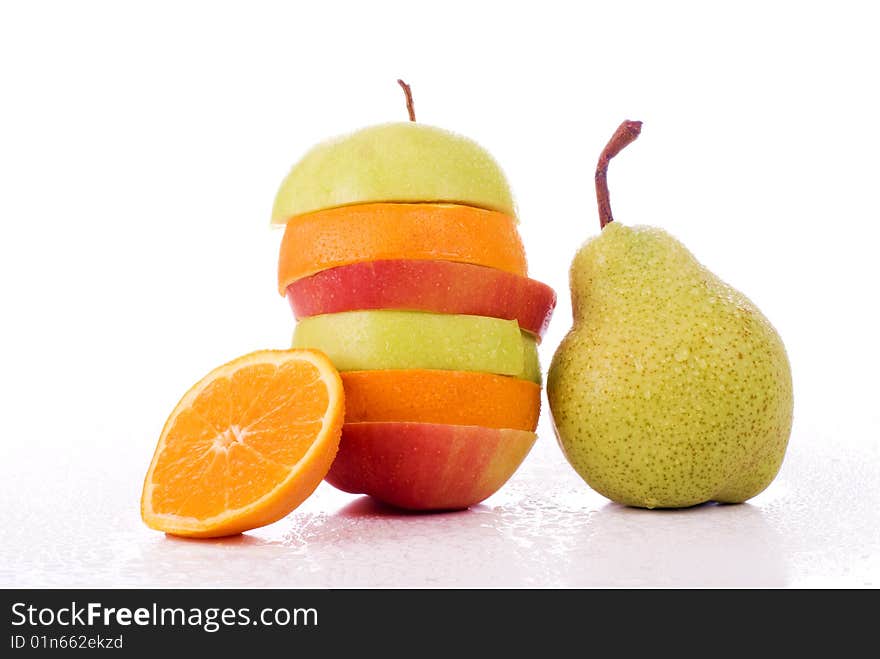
point(426, 466)
point(437, 286)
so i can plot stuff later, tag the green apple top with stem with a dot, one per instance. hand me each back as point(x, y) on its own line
point(405, 162)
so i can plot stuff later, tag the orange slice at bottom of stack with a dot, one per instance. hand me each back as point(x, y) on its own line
point(437, 396)
point(245, 445)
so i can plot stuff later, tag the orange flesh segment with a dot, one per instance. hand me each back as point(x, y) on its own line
point(245, 445)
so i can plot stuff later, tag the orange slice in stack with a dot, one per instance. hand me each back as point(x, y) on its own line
point(433, 396)
point(354, 234)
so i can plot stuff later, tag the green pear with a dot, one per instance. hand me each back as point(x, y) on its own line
point(672, 388)
point(394, 162)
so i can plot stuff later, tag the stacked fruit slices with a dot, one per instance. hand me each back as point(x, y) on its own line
point(426, 310)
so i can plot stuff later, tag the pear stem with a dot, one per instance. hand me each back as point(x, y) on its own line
point(409, 101)
point(625, 134)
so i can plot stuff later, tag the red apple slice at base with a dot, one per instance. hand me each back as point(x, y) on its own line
point(437, 286)
point(425, 466)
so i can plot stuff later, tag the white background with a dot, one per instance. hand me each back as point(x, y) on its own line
point(141, 145)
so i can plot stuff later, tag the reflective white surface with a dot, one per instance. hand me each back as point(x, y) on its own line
point(71, 519)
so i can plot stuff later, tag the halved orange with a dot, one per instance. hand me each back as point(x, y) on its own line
point(371, 232)
point(245, 445)
point(465, 398)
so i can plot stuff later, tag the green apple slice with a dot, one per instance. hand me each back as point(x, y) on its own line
point(396, 162)
point(376, 340)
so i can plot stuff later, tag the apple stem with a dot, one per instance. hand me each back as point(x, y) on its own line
point(625, 134)
point(409, 102)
